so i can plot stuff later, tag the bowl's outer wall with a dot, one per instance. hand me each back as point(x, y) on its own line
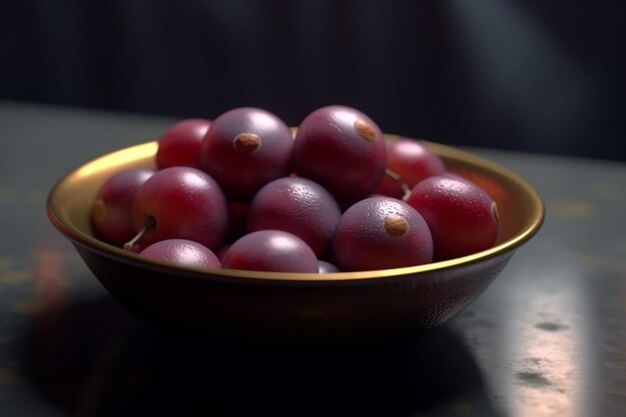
point(299, 311)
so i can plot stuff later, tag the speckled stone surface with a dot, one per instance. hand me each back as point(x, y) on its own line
point(547, 338)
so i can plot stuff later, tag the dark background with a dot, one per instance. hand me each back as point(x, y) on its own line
point(533, 75)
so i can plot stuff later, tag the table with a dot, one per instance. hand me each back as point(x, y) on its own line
point(547, 338)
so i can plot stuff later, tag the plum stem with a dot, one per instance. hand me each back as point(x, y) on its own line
point(406, 190)
point(148, 225)
point(392, 174)
point(495, 212)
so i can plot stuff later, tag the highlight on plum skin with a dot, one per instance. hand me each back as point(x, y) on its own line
point(408, 162)
point(462, 217)
point(180, 144)
point(246, 148)
point(182, 252)
point(381, 233)
point(110, 215)
point(270, 250)
point(180, 203)
point(342, 149)
point(296, 205)
point(325, 267)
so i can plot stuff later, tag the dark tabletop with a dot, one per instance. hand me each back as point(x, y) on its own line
point(547, 338)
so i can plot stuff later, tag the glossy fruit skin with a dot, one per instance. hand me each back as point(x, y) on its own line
point(270, 250)
point(222, 251)
point(325, 267)
point(412, 161)
point(246, 148)
point(180, 143)
point(462, 217)
point(342, 149)
point(296, 205)
point(186, 204)
point(111, 218)
point(182, 252)
point(380, 233)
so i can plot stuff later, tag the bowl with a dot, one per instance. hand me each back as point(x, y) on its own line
point(298, 307)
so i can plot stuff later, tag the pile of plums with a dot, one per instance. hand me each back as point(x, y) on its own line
point(244, 191)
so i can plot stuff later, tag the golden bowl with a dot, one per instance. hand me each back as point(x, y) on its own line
point(266, 306)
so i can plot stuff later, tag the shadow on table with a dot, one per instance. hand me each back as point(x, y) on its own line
point(93, 358)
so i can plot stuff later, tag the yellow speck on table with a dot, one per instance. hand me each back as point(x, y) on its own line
point(28, 306)
point(574, 209)
point(15, 277)
point(7, 376)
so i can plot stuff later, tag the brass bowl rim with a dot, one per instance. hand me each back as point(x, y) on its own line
point(77, 236)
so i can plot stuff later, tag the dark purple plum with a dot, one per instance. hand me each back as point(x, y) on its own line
point(342, 149)
point(111, 218)
point(182, 252)
point(222, 251)
point(246, 148)
point(296, 205)
point(270, 250)
point(409, 161)
point(380, 233)
point(325, 267)
point(462, 217)
point(180, 203)
point(180, 144)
